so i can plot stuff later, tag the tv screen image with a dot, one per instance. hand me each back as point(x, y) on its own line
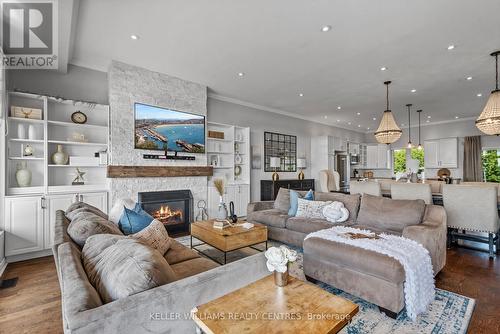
point(164, 129)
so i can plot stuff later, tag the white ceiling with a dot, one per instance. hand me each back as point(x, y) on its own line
point(279, 46)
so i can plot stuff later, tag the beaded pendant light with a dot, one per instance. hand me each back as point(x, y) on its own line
point(489, 120)
point(388, 131)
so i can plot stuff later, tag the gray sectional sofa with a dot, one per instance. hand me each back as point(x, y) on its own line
point(374, 277)
point(164, 309)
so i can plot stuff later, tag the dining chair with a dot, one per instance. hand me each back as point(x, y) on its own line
point(475, 209)
point(412, 191)
point(483, 184)
point(329, 181)
point(365, 187)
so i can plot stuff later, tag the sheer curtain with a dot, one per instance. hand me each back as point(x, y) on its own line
point(473, 165)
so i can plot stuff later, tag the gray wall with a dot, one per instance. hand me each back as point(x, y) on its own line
point(78, 84)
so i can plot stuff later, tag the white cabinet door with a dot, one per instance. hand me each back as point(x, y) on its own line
point(23, 225)
point(372, 156)
point(382, 160)
point(243, 199)
point(99, 200)
point(212, 202)
point(448, 152)
point(54, 203)
point(431, 154)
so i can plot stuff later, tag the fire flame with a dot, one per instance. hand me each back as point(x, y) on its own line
point(166, 214)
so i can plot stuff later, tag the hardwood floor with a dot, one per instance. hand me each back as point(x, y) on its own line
point(34, 306)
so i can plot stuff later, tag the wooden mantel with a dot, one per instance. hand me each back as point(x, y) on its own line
point(158, 171)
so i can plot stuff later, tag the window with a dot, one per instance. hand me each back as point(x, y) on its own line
point(491, 165)
point(399, 159)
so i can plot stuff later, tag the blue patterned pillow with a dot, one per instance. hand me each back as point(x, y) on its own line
point(294, 201)
point(133, 222)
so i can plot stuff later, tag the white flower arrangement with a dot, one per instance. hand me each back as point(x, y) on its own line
point(278, 258)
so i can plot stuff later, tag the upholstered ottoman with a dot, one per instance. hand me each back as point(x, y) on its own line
point(374, 277)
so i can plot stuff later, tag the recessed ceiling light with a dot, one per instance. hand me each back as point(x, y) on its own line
point(338, 120)
point(413, 90)
point(301, 94)
point(429, 116)
point(349, 123)
point(479, 95)
point(402, 124)
point(339, 107)
point(451, 47)
point(358, 113)
point(469, 78)
point(374, 118)
point(456, 117)
point(134, 37)
point(326, 116)
point(240, 74)
point(427, 121)
point(326, 28)
point(383, 68)
point(359, 125)
point(367, 128)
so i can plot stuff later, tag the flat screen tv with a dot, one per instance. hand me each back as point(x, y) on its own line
point(164, 129)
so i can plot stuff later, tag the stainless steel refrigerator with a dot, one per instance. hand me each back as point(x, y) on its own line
point(342, 166)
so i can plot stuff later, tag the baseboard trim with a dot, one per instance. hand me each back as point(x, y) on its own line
point(3, 265)
point(29, 256)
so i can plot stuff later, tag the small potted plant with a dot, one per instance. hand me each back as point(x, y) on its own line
point(278, 259)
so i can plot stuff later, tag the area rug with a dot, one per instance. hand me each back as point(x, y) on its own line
point(449, 313)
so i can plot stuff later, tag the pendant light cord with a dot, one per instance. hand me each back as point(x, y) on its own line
point(387, 94)
point(496, 67)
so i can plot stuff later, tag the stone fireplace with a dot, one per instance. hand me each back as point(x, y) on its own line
point(173, 208)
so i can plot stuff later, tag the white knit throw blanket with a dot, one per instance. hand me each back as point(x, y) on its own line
point(415, 259)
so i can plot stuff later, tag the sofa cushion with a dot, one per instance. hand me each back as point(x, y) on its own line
point(282, 200)
point(307, 225)
point(155, 235)
point(355, 259)
point(117, 210)
point(118, 266)
point(273, 217)
point(390, 214)
point(311, 209)
point(351, 202)
point(82, 206)
point(179, 253)
point(86, 224)
point(193, 267)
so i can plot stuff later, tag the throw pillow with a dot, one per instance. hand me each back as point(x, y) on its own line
point(118, 266)
point(117, 210)
point(155, 235)
point(336, 212)
point(86, 223)
point(294, 196)
point(133, 222)
point(311, 209)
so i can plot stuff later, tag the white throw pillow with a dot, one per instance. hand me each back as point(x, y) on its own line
point(336, 212)
point(155, 235)
point(117, 210)
point(311, 209)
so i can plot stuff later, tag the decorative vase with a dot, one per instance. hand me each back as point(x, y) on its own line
point(21, 131)
point(31, 132)
point(222, 212)
point(281, 279)
point(60, 157)
point(23, 175)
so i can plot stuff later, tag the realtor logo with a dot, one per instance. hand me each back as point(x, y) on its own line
point(29, 34)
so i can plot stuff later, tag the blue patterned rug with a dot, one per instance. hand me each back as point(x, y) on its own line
point(450, 313)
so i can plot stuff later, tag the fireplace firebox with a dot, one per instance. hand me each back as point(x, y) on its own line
point(173, 208)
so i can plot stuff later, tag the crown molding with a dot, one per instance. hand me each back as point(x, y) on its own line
point(274, 110)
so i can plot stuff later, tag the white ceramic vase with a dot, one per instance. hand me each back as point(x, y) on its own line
point(23, 175)
point(21, 131)
point(60, 157)
point(31, 132)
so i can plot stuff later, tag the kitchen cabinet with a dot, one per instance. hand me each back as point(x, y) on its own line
point(441, 153)
point(375, 156)
point(30, 221)
point(353, 148)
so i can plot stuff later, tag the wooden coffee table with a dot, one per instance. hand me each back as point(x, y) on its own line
point(263, 307)
point(228, 239)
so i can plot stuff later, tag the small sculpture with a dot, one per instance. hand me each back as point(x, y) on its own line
point(78, 180)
